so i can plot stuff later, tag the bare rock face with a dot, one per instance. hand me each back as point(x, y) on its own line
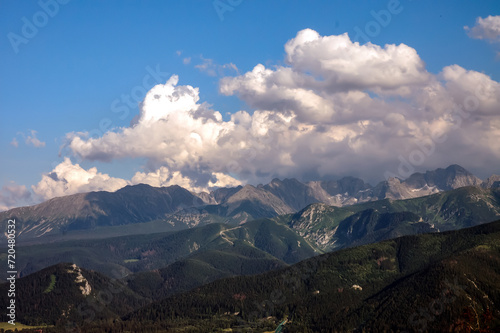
point(84, 285)
point(492, 182)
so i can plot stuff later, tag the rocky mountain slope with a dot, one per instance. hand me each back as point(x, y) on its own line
point(332, 228)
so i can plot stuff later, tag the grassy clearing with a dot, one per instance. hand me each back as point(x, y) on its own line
point(51, 285)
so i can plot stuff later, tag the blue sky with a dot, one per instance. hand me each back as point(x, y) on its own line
point(88, 54)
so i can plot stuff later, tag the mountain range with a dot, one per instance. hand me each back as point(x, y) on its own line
point(218, 250)
point(172, 252)
point(97, 214)
point(332, 228)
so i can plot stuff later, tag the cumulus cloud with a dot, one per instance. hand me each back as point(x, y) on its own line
point(338, 63)
point(485, 28)
point(173, 131)
point(68, 178)
point(162, 177)
point(462, 85)
point(335, 108)
point(13, 195)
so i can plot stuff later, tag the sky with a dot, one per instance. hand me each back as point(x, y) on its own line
point(97, 95)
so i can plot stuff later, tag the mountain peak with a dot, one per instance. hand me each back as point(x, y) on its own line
point(456, 168)
point(454, 176)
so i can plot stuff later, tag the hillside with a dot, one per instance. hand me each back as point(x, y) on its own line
point(202, 268)
point(255, 239)
point(453, 277)
point(66, 293)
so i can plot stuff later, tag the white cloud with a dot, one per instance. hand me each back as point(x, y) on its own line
point(13, 195)
point(339, 64)
point(485, 28)
point(337, 108)
point(461, 82)
point(68, 178)
point(162, 177)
